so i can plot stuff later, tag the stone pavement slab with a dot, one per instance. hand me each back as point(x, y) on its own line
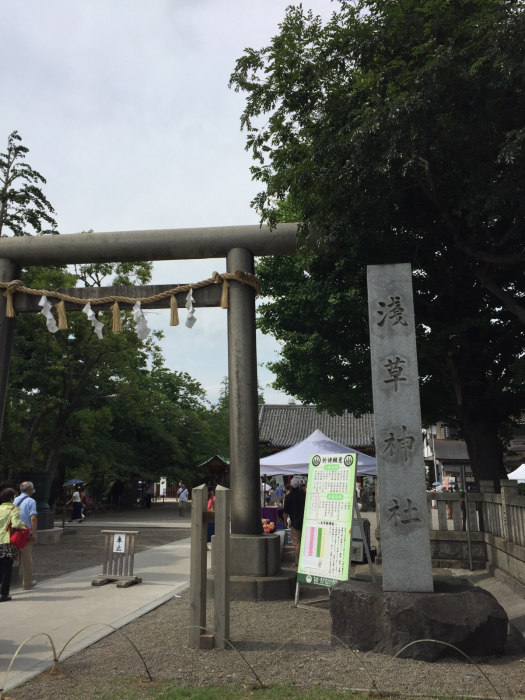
point(63, 606)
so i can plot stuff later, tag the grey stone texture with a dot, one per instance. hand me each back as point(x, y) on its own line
point(244, 406)
point(8, 272)
point(255, 569)
point(164, 244)
point(46, 521)
point(253, 556)
point(369, 619)
point(50, 536)
point(279, 587)
point(405, 546)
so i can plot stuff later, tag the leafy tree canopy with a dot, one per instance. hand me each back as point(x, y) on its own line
point(22, 202)
point(396, 132)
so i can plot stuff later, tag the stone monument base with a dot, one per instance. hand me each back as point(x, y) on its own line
point(46, 521)
point(369, 619)
point(279, 587)
point(51, 536)
point(255, 569)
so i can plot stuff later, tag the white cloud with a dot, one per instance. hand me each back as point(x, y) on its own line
point(126, 112)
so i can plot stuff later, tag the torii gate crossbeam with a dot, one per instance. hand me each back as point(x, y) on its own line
point(255, 559)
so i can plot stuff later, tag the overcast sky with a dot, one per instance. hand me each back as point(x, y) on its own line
point(125, 108)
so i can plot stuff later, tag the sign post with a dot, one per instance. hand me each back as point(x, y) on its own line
point(326, 540)
point(119, 555)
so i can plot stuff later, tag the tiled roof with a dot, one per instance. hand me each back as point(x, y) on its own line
point(284, 426)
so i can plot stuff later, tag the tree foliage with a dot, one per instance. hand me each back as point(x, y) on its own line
point(396, 132)
point(100, 410)
point(22, 202)
point(103, 410)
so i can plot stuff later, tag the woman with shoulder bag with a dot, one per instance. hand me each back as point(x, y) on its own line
point(9, 522)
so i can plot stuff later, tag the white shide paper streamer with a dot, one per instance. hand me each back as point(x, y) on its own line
point(46, 311)
point(191, 320)
point(142, 327)
point(97, 325)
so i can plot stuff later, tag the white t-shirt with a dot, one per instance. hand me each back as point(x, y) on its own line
point(182, 494)
point(76, 497)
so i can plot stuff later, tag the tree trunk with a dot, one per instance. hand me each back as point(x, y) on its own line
point(484, 446)
point(56, 443)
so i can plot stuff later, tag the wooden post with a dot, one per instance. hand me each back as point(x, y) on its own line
point(198, 563)
point(222, 567)
point(486, 486)
point(508, 488)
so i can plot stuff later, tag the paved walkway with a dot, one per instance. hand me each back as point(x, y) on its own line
point(63, 606)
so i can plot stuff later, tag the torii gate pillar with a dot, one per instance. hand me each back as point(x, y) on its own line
point(8, 272)
point(242, 385)
point(255, 558)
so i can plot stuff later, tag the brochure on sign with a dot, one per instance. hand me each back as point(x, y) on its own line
point(326, 534)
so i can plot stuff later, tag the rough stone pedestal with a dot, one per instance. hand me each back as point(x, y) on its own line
point(255, 569)
point(46, 521)
point(369, 619)
point(51, 536)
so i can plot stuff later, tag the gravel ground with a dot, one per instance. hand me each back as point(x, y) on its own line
point(257, 631)
point(86, 549)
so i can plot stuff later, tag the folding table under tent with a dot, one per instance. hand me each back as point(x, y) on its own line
point(295, 460)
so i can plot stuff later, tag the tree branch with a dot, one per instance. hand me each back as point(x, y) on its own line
point(510, 303)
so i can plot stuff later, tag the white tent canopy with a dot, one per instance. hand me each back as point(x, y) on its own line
point(518, 474)
point(295, 460)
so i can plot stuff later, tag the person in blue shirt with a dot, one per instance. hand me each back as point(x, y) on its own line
point(279, 493)
point(27, 507)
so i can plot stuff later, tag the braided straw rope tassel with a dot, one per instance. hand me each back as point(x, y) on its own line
point(174, 320)
point(117, 319)
point(62, 318)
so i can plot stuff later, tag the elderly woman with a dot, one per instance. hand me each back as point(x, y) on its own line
point(9, 516)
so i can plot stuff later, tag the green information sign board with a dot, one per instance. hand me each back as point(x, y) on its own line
point(327, 525)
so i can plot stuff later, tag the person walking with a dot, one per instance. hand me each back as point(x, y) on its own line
point(9, 520)
point(294, 509)
point(211, 507)
point(28, 515)
point(84, 500)
point(77, 505)
point(279, 494)
point(183, 494)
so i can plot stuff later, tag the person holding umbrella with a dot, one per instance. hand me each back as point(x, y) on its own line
point(77, 505)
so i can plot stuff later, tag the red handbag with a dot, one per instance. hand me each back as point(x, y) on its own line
point(19, 538)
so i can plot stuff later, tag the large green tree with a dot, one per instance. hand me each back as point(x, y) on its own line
point(397, 132)
point(22, 202)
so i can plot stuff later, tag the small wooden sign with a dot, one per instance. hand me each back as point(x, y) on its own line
point(119, 543)
point(119, 554)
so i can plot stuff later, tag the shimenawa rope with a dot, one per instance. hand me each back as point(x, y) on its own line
point(11, 288)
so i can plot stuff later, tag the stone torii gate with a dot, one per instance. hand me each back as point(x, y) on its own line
point(255, 558)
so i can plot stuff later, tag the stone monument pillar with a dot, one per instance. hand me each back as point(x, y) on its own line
point(405, 540)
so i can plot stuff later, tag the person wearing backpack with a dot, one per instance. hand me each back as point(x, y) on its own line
point(9, 521)
point(27, 506)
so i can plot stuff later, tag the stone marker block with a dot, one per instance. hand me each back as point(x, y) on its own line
point(369, 619)
point(405, 545)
